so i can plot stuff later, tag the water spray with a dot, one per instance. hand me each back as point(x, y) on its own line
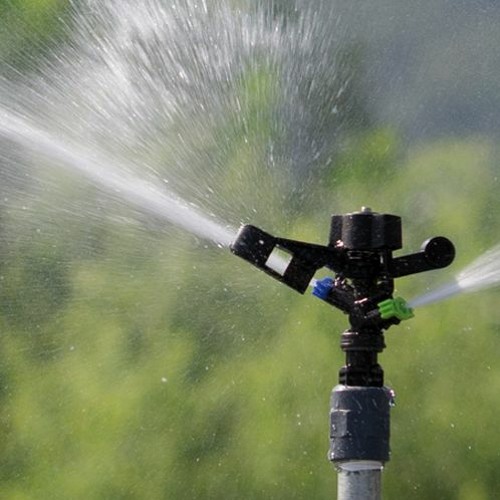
point(109, 174)
point(481, 274)
point(359, 253)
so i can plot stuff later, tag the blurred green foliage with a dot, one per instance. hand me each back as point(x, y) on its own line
point(137, 366)
point(29, 27)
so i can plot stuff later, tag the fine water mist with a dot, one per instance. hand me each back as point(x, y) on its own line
point(156, 105)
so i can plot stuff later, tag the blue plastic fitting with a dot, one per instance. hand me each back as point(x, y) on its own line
point(323, 287)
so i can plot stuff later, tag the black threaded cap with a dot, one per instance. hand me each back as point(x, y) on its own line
point(366, 230)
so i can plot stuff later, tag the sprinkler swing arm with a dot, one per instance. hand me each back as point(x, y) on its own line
point(359, 253)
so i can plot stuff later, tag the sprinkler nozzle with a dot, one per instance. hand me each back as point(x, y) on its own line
point(395, 308)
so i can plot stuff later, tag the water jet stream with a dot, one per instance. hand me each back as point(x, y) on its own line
point(481, 274)
point(103, 170)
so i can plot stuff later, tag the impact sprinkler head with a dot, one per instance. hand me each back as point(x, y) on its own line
point(359, 253)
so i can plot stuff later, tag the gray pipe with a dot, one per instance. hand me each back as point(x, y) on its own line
point(359, 481)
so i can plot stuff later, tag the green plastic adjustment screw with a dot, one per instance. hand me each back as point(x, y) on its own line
point(395, 308)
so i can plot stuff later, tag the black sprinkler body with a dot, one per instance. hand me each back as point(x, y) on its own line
point(360, 255)
point(360, 246)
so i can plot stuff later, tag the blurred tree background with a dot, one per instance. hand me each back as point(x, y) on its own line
point(137, 364)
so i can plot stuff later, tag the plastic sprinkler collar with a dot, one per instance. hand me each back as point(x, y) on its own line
point(359, 253)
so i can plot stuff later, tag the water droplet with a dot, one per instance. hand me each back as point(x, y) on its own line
point(392, 401)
